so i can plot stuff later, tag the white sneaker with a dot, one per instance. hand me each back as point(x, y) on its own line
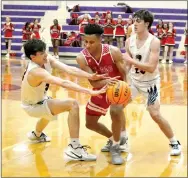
point(175, 149)
point(57, 57)
point(23, 56)
point(163, 61)
point(43, 138)
point(79, 153)
point(170, 61)
point(123, 145)
point(7, 55)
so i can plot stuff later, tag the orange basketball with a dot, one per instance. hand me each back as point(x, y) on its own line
point(119, 93)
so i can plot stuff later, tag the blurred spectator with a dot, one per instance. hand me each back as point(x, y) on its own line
point(160, 35)
point(96, 19)
point(72, 40)
point(8, 29)
point(130, 27)
point(75, 8)
point(55, 37)
point(119, 31)
point(26, 35)
point(82, 24)
point(109, 26)
point(74, 19)
point(186, 45)
point(170, 42)
point(35, 26)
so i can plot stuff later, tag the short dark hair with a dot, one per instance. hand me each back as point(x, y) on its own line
point(145, 15)
point(31, 47)
point(93, 29)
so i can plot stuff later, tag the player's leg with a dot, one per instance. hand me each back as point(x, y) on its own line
point(75, 150)
point(115, 113)
point(93, 124)
point(154, 110)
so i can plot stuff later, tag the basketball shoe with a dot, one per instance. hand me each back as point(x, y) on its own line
point(123, 145)
point(79, 153)
point(116, 155)
point(175, 149)
point(43, 138)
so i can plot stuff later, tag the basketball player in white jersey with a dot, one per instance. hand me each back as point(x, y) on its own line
point(142, 55)
point(35, 83)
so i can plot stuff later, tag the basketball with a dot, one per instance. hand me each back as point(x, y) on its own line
point(119, 93)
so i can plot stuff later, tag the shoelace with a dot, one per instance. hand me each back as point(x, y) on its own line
point(174, 146)
point(108, 143)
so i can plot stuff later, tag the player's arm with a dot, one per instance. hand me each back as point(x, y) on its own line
point(97, 83)
point(128, 65)
point(73, 70)
point(119, 61)
point(40, 75)
point(152, 63)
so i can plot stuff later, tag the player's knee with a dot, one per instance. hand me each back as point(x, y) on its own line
point(155, 114)
point(90, 124)
point(115, 111)
point(73, 104)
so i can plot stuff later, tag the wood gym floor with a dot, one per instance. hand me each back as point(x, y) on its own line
point(149, 149)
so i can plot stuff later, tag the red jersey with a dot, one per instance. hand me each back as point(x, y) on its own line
point(26, 33)
point(35, 30)
point(8, 29)
point(98, 105)
point(55, 31)
point(106, 63)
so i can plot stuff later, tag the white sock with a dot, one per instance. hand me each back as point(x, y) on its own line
point(74, 142)
point(173, 140)
point(37, 133)
point(111, 138)
point(123, 133)
point(115, 143)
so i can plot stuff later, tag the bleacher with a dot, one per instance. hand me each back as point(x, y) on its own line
point(177, 16)
point(20, 14)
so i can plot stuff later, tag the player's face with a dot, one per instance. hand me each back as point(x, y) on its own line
point(40, 57)
point(92, 42)
point(139, 25)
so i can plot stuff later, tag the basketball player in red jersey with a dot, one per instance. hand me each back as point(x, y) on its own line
point(55, 37)
point(8, 29)
point(142, 56)
point(103, 59)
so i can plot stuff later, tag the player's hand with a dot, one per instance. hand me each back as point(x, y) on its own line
point(113, 80)
point(128, 59)
point(152, 95)
point(96, 76)
point(98, 92)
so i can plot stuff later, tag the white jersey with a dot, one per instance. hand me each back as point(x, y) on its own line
point(140, 77)
point(32, 95)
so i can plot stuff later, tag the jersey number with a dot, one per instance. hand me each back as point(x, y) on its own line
point(137, 71)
